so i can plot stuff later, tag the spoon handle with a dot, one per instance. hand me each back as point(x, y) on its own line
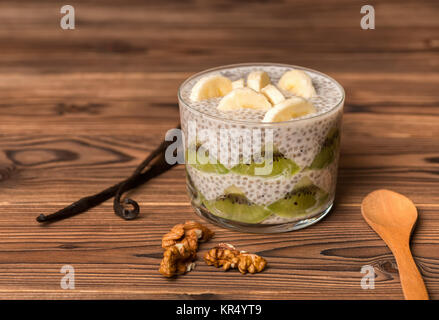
point(412, 283)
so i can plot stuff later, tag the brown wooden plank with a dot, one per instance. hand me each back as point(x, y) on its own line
point(325, 259)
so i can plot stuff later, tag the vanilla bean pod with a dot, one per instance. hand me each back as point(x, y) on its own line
point(160, 164)
point(138, 178)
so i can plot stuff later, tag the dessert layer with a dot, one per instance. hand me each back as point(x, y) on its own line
point(259, 190)
point(329, 94)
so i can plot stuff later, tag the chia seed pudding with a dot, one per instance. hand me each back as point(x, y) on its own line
point(300, 188)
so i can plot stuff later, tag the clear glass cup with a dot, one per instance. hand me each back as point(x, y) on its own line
point(285, 182)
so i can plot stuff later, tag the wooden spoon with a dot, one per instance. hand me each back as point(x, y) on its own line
point(393, 216)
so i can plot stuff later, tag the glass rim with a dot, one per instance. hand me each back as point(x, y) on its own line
point(260, 123)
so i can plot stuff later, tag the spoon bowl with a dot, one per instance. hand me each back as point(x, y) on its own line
point(390, 210)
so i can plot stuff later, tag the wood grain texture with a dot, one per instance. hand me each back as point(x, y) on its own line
point(80, 109)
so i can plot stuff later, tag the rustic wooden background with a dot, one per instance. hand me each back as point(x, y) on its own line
point(80, 109)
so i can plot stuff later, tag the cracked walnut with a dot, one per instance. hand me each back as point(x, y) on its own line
point(229, 257)
point(181, 245)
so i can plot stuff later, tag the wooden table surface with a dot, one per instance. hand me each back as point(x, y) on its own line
point(79, 109)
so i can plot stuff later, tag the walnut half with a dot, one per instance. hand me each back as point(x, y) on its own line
point(181, 245)
point(191, 229)
point(229, 257)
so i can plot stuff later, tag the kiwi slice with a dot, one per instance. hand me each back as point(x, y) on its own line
point(300, 201)
point(328, 151)
point(202, 161)
point(281, 165)
point(236, 207)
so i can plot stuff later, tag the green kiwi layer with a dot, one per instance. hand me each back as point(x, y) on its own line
point(328, 151)
point(202, 161)
point(299, 202)
point(281, 165)
point(237, 207)
point(233, 205)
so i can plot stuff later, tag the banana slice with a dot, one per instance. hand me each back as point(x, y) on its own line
point(238, 84)
point(273, 94)
point(256, 80)
point(244, 98)
point(298, 83)
point(210, 87)
point(289, 109)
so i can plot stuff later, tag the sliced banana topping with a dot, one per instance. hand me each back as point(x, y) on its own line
point(244, 98)
point(256, 80)
point(289, 109)
point(210, 87)
point(273, 94)
point(238, 84)
point(298, 83)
